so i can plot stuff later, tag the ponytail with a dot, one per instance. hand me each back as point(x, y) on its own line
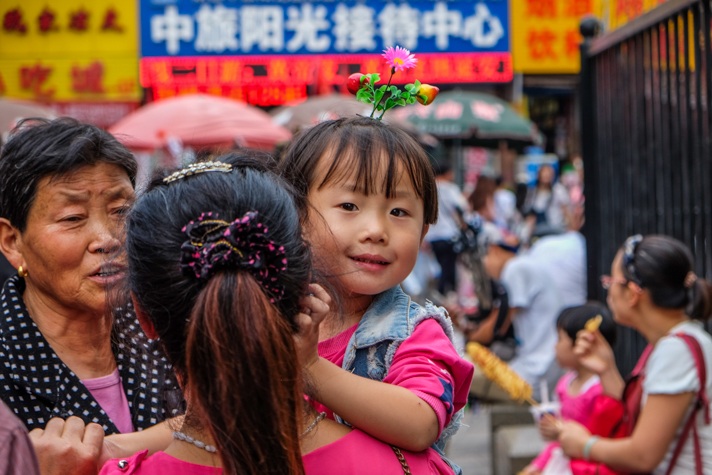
point(243, 376)
point(700, 307)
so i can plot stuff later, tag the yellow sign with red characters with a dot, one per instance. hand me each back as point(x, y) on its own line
point(621, 12)
point(545, 34)
point(71, 50)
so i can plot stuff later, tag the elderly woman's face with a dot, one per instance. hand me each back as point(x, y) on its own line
point(72, 243)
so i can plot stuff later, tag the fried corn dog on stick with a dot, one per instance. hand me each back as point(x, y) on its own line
point(593, 323)
point(500, 373)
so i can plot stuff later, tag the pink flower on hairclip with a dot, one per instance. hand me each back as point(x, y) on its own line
point(369, 90)
point(399, 59)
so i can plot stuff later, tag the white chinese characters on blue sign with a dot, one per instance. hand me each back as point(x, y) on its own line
point(192, 28)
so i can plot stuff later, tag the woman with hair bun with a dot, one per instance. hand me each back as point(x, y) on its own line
point(653, 289)
point(219, 272)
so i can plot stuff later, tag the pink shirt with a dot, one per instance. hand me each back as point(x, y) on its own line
point(426, 363)
point(357, 453)
point(574, 407)
point(159, 463)
point(109, 393)
point(353, 454)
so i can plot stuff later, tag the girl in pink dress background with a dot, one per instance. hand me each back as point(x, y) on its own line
point(579, 388)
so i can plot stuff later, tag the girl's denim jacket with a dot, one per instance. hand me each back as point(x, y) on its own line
point(388, 321)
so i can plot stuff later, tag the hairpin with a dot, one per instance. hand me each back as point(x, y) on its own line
point(629, 249)
point(200, 167)
point(214, 244)
point(387, 96)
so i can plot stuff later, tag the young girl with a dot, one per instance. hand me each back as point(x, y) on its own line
point(578, 389)
point(386, 365)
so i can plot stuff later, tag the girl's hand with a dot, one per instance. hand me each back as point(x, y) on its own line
point(593, 352)
point(315, 307)
point(549, 427)
point(572, 438)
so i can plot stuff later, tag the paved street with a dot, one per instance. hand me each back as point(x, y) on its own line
point(470, 448)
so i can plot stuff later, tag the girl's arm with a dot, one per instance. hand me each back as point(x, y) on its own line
point(391, 411)
point(643, 451)
point(387, 412)
point(426, 383)
point(154, 439)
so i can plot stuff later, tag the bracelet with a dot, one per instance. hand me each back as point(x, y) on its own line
point(586, 452)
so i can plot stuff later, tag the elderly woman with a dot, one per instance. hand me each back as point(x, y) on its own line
point(64, 190)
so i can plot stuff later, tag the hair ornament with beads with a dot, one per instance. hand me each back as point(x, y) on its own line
point(690, 279)
point(244, 243)
point(199, 167)
point(387, 96)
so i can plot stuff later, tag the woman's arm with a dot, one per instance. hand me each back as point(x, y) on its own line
point(643, 451)
point(483, 332)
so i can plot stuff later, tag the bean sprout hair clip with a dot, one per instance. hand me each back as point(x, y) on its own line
point(387, 96)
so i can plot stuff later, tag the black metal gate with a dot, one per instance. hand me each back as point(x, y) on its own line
point(645, 120)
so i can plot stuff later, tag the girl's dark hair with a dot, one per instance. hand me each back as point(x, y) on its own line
point(40, 148)
point(573, 319)
point(359, 147)
point(230, 345)
point(664, 266)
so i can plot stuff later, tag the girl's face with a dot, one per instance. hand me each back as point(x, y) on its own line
point(368, 242)
point(565, 351)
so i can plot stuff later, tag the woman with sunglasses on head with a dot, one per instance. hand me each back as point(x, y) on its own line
point(653, 289)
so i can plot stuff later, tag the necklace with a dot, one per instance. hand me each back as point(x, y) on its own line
point(313, 424)
point(201, 445)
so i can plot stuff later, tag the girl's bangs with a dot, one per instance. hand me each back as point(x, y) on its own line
point(372, 169)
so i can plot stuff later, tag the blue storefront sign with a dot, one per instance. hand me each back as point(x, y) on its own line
point(231, 27)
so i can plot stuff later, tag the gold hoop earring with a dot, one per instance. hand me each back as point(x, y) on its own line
point(22, 272)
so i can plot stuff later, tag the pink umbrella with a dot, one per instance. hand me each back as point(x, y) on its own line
point(199, 120)
point(309, 112)
point(12, 111)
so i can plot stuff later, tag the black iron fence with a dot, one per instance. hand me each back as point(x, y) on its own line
point(646, 96)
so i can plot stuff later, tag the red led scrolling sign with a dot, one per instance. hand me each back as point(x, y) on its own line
point(298, 70)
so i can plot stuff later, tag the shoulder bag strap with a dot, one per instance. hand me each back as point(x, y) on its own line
point(701, 402)
point(402, 460)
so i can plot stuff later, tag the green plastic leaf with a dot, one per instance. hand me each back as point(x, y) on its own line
point(379, 95)
point(364, 94)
